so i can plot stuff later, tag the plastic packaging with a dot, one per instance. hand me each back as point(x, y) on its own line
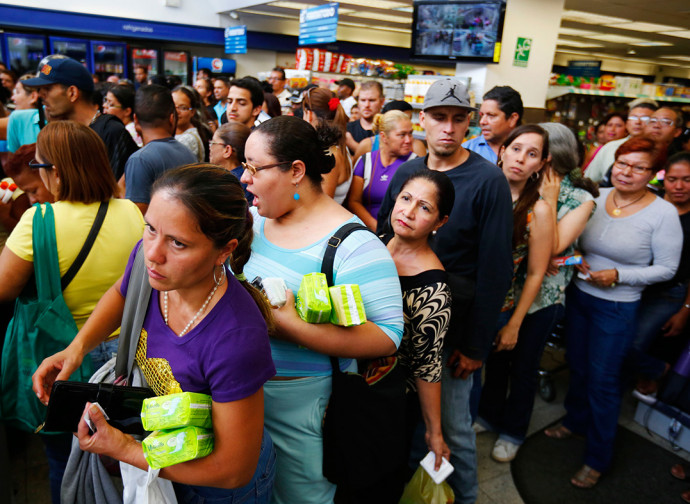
point(275, 288)
point(8, 193)
point(170, 447)
point(347, 308)
point(176, 410)
point(313, 302)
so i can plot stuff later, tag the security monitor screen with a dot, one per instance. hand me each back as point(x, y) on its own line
point(449, 30)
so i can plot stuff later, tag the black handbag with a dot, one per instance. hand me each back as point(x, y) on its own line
point(364, 425)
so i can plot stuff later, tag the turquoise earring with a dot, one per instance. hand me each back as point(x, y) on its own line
point(296, 195)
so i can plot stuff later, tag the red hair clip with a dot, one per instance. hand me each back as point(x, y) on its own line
point(333, 104)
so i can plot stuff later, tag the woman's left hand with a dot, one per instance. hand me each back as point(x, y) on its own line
point(507, 337)
point(603, 278)
point(107, 440)
point(436, 444)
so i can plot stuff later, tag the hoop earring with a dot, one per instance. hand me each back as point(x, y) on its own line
point(534, 176)
point(220, 280)
point(296, 195)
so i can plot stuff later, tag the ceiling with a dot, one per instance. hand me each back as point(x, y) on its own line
point(644, 31)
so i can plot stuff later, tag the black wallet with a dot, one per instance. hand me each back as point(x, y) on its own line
point(121, 404)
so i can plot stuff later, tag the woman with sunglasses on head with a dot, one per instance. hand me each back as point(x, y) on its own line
point(73, 164)
point(634, 239)
point(321, 106)
point(294, 219)
point(205, 330)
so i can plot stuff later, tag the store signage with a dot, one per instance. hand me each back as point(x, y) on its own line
point(216, 65)
point(104, 25)
point(584, 68)
point(318, 25)
point(522, 49)
point(236, 40)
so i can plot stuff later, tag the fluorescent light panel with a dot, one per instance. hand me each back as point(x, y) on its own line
point(680, 34)
point(589, 18)
point(382, 17)
point(644, 27)
point(375, 4)
point(652, 44)
point(563, 30)
point(619, 39)
point(377, 27)
point(677, 57)
point(290, 5)
point(574, 43)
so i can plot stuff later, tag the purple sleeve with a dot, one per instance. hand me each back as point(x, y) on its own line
point(128, 269)
point(239, 363)
point(359, 167)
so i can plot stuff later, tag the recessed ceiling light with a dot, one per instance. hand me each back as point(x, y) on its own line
point(574, 43)
point(589, 18)
point(564, 30)
point(644, 27)
point(382, 17)
point(632, 51)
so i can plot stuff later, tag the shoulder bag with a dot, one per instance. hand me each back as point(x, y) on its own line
point(364, 425)
point(42, 324)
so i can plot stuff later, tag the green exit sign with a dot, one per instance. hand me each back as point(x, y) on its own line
point(522, 49)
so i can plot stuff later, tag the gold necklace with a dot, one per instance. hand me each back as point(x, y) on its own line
point(617, 211)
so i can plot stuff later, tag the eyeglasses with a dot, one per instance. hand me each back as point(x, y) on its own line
point(35, 165)
point(108, 104)
point(253, 169)
point(662, 120)
point(180, 108)
point(637, 170)
point(213, 142)
point(642, 119)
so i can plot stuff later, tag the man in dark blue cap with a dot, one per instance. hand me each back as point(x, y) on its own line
point(67, 91)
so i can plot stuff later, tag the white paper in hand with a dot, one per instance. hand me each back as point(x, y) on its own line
point(443, 472)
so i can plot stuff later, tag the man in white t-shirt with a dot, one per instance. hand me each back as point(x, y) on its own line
point(346, 88)
point(277, 80)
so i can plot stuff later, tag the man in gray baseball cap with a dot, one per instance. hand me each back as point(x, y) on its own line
point(67, 90)
point(476, 250)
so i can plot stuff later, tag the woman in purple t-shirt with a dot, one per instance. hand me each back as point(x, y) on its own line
point(374, 170)
point(204, 331)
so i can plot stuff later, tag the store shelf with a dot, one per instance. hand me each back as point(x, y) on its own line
point(556, 91)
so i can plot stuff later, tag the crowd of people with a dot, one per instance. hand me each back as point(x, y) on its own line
point(462, 279)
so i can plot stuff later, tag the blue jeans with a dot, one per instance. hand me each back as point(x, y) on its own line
point(294, 411)
point(257, 491)
point(656, 307)
point(458, 434)
point(599, 334)
point(476, 394)
point(510, 379)
point(58, 448)
point(103, 353)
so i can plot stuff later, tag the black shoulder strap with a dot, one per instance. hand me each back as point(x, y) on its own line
point(86, 248)
point(332, 247)
point(329, 258)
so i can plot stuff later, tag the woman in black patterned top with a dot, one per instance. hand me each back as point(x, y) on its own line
point(421, 208)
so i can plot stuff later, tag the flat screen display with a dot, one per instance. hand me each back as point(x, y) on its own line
point(457, 30)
